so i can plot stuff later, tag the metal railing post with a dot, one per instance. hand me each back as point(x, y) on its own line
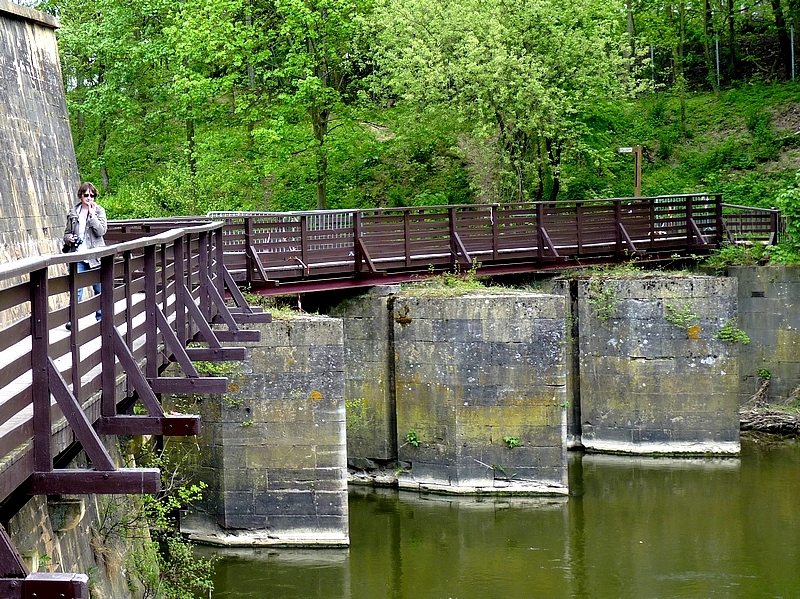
point(40, 385)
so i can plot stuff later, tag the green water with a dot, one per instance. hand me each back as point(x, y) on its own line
point(632, 528)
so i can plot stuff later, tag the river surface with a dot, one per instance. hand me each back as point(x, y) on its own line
point(632, 528)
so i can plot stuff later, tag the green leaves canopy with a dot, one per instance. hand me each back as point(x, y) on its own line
point(524, 71)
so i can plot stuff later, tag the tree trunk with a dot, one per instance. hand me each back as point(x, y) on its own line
point(708, 35)
point(101, 149)
point(783, 38)
point(680, 80)
point(554, 154)
point(732, 49)
point(319, 120)
point(192, 159)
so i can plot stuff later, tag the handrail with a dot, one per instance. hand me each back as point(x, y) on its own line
point(280, 252)
point(160, 291)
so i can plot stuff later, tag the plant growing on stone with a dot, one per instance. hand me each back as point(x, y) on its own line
point(602, 297)
point(731, 333)
point(412, 439)
point(356, 413)
point(512, 442)
point(683, 318)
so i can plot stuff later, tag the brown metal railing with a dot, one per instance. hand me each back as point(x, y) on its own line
point(292, 250)
point(746, 224)
point(159, 293)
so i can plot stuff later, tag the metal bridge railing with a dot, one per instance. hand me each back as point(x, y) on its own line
point(57, 385)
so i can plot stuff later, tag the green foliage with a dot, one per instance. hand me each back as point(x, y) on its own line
point(181, 574)
point(448, 284)
point(412, 439)
point(764, 374)
point(524, 75)
point(683, 318)
point(602, 297)
point(512, 442)
point(731, 333)
point(788, 201)
point(739, 254)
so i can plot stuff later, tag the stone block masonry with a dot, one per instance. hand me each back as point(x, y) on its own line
point(369, 384)
point(273, 447)
point(38, 173)
point(654, 376)
point(480, 384)
point(769, 311)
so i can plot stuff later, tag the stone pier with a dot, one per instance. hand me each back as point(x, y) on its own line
point(480, 387)
point(273, 448)
point(658, 372)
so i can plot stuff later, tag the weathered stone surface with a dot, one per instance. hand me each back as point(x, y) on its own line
point(38, 172)
point(369, 377)
point(274, 446)
point(471, 371)
point(769, 311)
point(649, 384)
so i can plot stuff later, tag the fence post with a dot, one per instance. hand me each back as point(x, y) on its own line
point(40, 386)
point(539, 226)
point(451, 218)
point(356, 246)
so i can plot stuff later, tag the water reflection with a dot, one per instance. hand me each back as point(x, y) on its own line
point(632, 528)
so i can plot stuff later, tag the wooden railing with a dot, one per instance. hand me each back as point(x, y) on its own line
point(287, 249)
point(59, 386)
point(747, 224)
point(286, 252)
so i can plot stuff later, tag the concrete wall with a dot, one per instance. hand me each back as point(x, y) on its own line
point(38, 172)
point(648, 385)
point(470, 371)
point(273, 448)
point(769, 311)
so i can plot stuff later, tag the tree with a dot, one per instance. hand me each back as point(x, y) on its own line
point(522, 72)
point(112, 54)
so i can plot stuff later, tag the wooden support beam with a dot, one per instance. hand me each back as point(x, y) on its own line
point(81, 427)
point(251, 317)
point(363, 256)
point(42, 585)
point(11, 564)
point(133, 481)
point(549, 242)
point(172, 426)
point(201, 385)
point(628, 241)
point(462, 250)
point(216, 354)
point(238, 336)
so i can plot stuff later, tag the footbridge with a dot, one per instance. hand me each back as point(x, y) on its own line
point(62, 387)
point(314, 251)
point(170, 294)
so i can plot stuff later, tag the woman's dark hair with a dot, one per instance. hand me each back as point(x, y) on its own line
point(86, 187)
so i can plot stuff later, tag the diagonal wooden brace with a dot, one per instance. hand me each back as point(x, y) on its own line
point(77, 419)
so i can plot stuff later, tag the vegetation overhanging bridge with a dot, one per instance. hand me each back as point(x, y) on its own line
point(298, 252)
point(60, 389)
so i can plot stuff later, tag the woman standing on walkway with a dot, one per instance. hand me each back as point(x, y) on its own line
point(86, 225)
